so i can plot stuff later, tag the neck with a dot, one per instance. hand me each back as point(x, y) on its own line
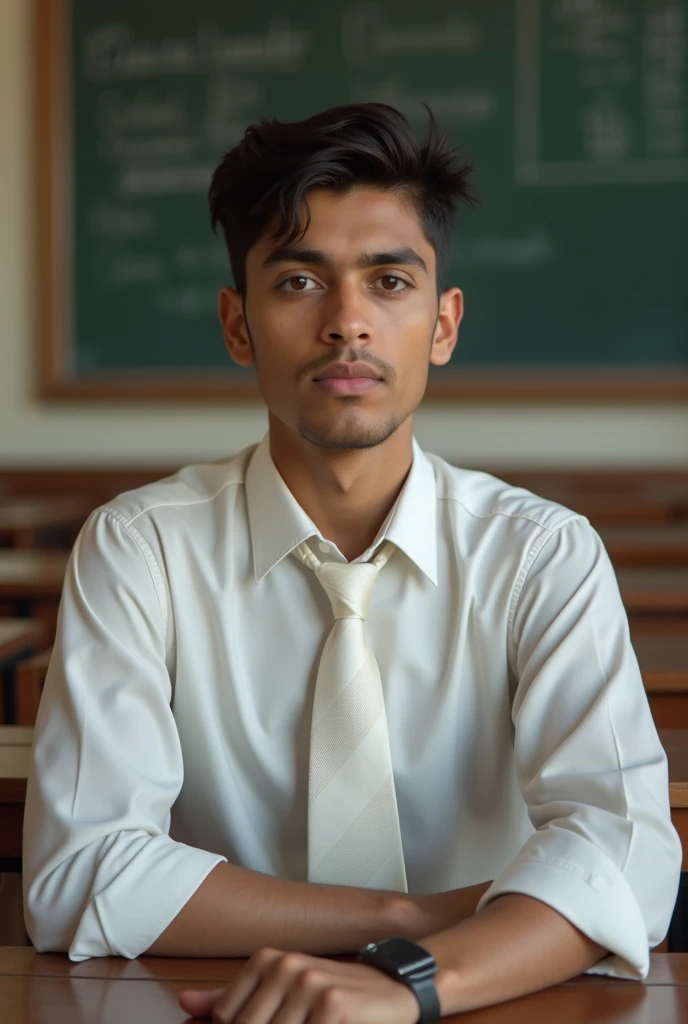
point(347, 494)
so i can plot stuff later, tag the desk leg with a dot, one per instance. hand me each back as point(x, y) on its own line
point(8, 681)
point(678, 929)
point(12, 927)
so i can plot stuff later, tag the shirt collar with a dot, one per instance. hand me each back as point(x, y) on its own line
point(278, 523)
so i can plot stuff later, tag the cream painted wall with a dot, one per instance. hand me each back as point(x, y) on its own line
point(32, 432)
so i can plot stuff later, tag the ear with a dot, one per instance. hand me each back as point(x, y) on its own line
point(447, 329)
point(230, 307)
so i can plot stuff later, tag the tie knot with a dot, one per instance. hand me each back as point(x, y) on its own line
point(349, 586)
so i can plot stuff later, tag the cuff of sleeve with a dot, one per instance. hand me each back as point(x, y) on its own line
point(604, 909)
point(124, 919)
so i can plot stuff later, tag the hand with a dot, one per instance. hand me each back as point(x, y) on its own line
point(277, 987)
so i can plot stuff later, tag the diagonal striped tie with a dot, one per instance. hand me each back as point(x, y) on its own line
point(354, 836)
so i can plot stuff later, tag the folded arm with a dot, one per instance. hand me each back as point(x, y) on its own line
point(594, 887)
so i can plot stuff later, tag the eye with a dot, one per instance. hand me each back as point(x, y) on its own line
point(297, 277)
point(382, 277)
point(399, 280)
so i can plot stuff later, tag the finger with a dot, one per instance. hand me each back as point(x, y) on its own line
point(274, 986)
point(229, 1000)
point(199, 1003)
point(332, 1006)
point(302, 998)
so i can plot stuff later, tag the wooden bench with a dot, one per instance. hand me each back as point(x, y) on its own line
point(15, 750)
point(663, 661)
point(654, 594)
point(31, 586)
point(647, 545)
point(33, 523)
point(29, 678)
point(19, 638)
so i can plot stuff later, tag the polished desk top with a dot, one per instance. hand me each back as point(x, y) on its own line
point(41, 988)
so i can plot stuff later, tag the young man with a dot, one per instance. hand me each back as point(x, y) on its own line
point(332, 690)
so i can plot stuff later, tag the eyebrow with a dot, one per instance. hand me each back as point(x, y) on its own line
point(293, 254)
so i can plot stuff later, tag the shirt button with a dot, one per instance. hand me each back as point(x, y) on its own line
point(324, 547)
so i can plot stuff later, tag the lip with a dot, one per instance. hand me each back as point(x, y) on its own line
point(358, 369)
point(348, 385)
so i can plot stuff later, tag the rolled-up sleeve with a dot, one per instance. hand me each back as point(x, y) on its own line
point(589, 762)
point(101, 874)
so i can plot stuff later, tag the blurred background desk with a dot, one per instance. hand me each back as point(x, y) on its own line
point(36, 523)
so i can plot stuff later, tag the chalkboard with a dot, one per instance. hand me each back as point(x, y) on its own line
point(575, 113)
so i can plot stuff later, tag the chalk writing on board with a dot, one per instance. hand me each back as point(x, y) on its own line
point(230, 104)
point(146, 110)
point(163, 181)
point(366, 33)
point(187, 301)
point(135, 270)
point(586, 49)
point(111, 221)
point(196, 258)
point(112, 52)
point(462, 105)
point(665, 83)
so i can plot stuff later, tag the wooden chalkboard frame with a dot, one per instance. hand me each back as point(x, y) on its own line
point(54, 246)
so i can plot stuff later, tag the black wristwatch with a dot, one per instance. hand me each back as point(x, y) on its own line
point(408, 962)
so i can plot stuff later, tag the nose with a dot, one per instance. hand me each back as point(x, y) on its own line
point(345, 319)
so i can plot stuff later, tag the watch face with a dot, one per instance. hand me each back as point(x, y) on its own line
point(404, 956)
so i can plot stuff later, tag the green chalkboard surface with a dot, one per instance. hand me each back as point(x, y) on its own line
point(574, 266)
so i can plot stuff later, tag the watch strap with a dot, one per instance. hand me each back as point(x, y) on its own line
point(428, 1000)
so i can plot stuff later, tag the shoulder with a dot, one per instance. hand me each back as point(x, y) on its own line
point(477, 495)
point(196, 486)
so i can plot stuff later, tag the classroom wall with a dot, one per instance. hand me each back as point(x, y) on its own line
point(33, 432)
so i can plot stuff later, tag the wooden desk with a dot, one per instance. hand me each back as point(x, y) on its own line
point(603, 508)
point(31, 523)
point(655, 592)
point(19, 638)
point(27, 574)
point(15, 751)
point(647, 545)
point(31, 585)
point(47, 988)
point(30, 677)
point(663, 660)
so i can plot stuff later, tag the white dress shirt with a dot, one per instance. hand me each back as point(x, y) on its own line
point(174, 728)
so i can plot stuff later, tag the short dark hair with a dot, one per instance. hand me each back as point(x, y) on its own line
point(276, 163)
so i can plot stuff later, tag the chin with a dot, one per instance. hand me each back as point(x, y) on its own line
point(347, 436)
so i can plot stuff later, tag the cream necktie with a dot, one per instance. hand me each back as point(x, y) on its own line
point(354, 837)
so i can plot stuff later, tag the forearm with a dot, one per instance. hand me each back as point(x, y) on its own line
point(235, 912)
point(514, 946)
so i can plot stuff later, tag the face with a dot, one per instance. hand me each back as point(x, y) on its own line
point(359, 286)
